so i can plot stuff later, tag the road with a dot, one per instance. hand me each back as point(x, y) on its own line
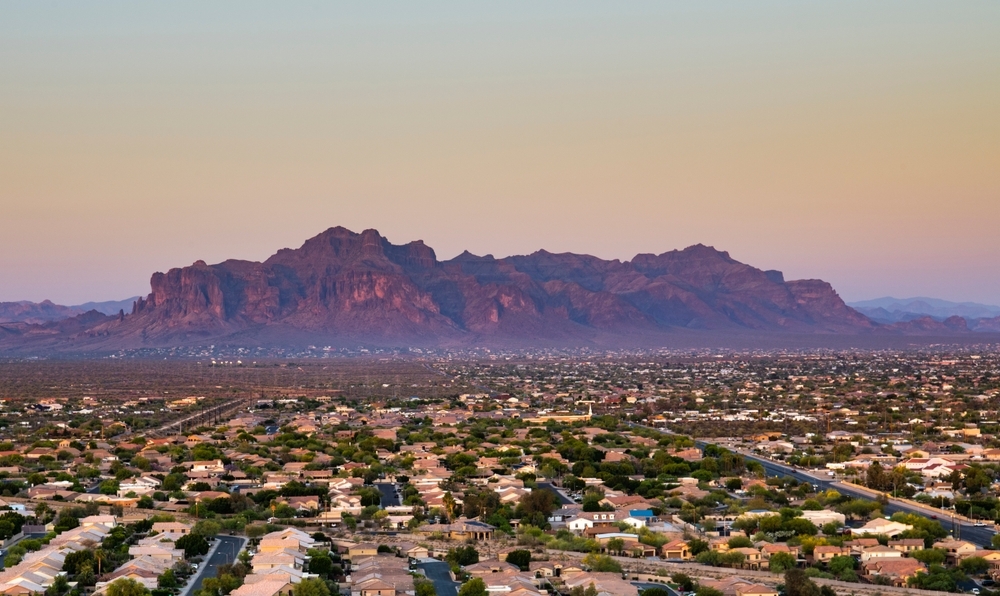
point(225, 552)
point(389, 496)
point(440, 574)
point(563, 499)
point(981, 536)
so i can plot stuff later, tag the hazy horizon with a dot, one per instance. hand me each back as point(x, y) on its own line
point(850, 142)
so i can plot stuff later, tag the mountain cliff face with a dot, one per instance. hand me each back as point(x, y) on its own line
point(346, 289)
point(342, 287)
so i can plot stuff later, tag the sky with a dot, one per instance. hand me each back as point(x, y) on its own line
point(856, 142)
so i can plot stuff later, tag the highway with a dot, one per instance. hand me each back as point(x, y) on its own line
point(982, 536)
point(979, 535)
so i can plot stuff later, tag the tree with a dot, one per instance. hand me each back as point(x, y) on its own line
point(321, 564)
point(206, 528)
point(592, 502)
point(43, 513)
point(312, 586)
point(733, 558)
point(521, 558)
point(615, 545)
point(463, 555)
point(75, 560)
point(126, 587)
point(974, 565)
point(929, 556)
point(840, 564)
point(697, 546)
point(193, 545)
point(370, 496)
point(424, 587)
point(936, 578)
point(448, 501)
point(60, 585)
point(473, 587)
point(655, 592)
point(797, 583)
point(598, 562)
point(167, 579)
point(779, 562)
point(707, 591)
point(683, 581)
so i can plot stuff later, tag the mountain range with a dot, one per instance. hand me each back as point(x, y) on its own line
point(343, 288)
point(895, 310)
point(45, 311)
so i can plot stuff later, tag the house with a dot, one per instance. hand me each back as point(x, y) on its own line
point(171, 528)
point(770, 549)
point(880, 552)
point(268, 587)
point(956, 550)
point(676, 549)
point(823, 517)
point(737, 586)
point(590, 519)
point(605, 583)
point(462, 529)
point(992, 556)
point(752, 557)
point(413, 551)
point(636, 522)
point(896, 570)
point(166, 555)
point(907, 545)
point(362, 549)
point(211, 466)
point(491, 566)
point(823, 553)
point(881, 527)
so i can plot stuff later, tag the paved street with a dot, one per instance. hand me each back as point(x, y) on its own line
point(439, 573)
point(981, 536)
point(388, 491)
point(226, 551)
point(563, 499)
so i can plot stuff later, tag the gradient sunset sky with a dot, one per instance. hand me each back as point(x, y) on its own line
point(857, 142)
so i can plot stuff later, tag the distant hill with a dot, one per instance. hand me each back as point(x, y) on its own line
point(35, 312)
point(896, 310)
point(47, 312)
point(111, 307)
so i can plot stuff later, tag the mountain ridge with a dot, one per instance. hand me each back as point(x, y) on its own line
point(345, 288)
point(890, 310)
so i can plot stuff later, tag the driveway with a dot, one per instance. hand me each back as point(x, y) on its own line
point(440, 574)
point(223, 552)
